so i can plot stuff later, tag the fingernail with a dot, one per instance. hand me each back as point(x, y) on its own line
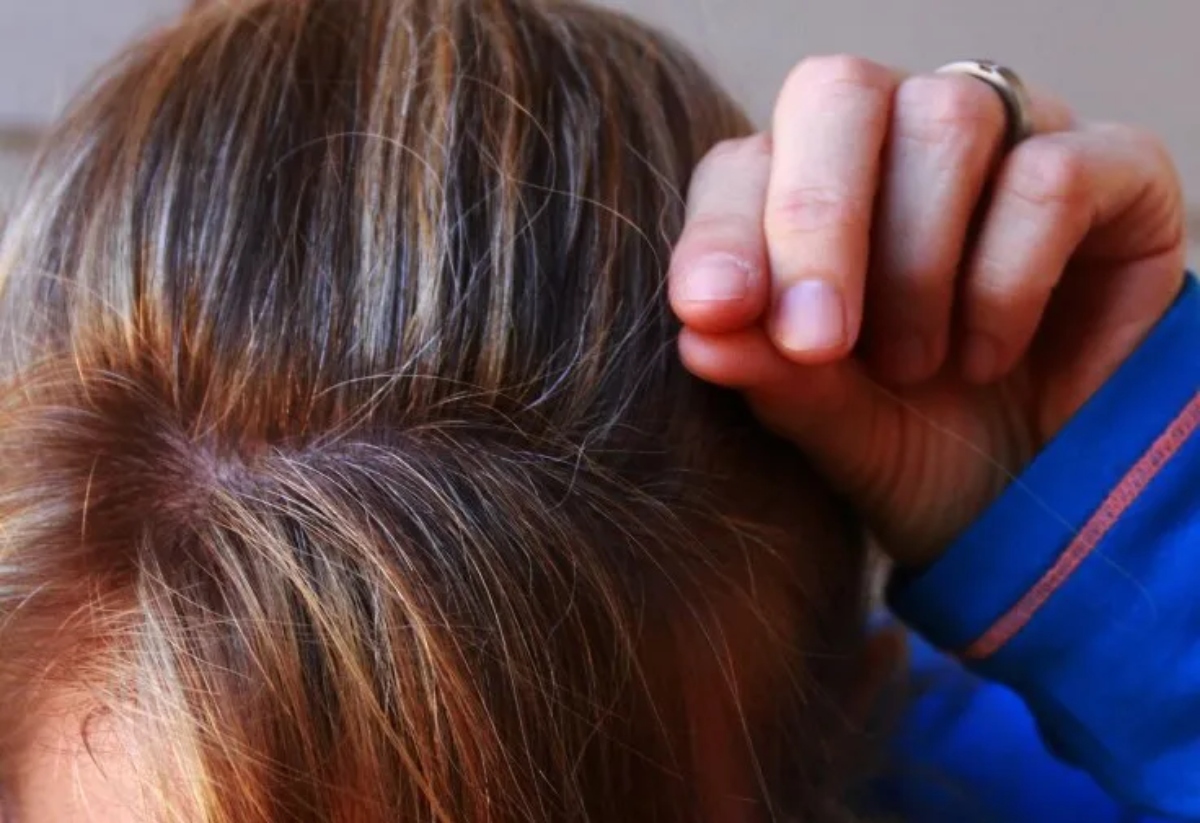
point(981, 356)
point(718, 278)
point(811, 317)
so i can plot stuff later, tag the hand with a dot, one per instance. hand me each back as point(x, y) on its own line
point(914, 309)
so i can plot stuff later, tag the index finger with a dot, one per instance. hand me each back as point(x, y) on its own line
point(830, 125)
point(718, 277)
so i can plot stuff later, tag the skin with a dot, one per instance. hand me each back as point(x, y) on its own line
point(72, 776)
point(915, 307)
point(981, 298)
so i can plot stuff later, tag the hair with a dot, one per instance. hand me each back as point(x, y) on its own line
point(345, 457)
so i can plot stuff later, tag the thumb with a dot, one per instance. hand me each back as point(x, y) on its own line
point(832, 413)
point(829, 411)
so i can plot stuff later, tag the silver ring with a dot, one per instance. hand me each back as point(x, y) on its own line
point(1007, 83)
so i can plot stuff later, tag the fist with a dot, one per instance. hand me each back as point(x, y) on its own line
point(911, 302)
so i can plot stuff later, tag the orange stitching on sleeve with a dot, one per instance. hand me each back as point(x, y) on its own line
point(1110, 511)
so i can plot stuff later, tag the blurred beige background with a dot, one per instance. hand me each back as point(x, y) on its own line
point(1114, 59)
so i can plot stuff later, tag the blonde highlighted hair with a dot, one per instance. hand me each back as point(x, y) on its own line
point(344, 454)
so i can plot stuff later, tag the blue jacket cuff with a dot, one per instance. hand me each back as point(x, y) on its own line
point(1018, 540)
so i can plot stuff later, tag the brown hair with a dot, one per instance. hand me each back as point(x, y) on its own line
point(344, 453)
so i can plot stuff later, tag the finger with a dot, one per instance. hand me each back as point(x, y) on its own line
point(1049, 112)
point(718, 277)
point(808, 405)
point(946, 132)
point(742, 359)
point(946, 136)
point(1051, 192)
point(829, 128)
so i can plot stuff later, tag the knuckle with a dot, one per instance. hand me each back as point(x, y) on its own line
point(815, 209)
point(989, 283)
point(1163, 189)
point(1152, 146)
point(712, 165)
point(994, 304)
point(1000, 290)
point(732, 156)
point(755, 147)
point(1138, 137)
point(839, 74)
point(719, 153)
point(1050, 175)
point(734, 164)
point(948, 109)
point(721, 231)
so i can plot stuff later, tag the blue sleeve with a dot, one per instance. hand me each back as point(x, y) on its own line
point(1079, 588)
point(965, 749)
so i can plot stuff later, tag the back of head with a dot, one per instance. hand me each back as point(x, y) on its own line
point(346, 469)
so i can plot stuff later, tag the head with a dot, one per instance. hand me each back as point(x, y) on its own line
point(347, 470)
